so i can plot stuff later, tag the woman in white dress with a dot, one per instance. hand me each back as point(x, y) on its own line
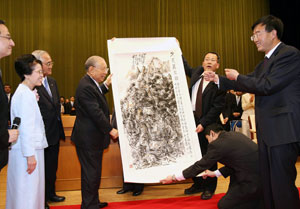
point(248, 109)
point(25, 172)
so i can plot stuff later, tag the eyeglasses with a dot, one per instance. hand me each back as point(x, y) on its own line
point(105, 69)
point(256, 35)
point(51, 63)
point(38, 71)
point(7, 37)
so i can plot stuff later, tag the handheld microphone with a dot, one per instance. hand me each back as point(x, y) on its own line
point(15, 125)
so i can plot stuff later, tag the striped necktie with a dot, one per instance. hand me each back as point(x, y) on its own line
point(46, 85)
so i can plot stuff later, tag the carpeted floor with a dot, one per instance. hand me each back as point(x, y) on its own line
point(170, 203)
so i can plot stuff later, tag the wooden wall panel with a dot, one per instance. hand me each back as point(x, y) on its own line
point(68, 173)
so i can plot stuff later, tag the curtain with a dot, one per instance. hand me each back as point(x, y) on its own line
point(73, 30)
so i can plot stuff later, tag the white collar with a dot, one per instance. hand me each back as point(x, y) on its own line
point(272, 50)
point(97, 84)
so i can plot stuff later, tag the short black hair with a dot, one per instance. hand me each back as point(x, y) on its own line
point(2, 23)
point(215, 127)
point(215, 53)
point(272, 23)
point(24, 65)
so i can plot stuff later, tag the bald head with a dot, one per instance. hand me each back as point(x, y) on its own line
point(96, 68)
point(94, 61)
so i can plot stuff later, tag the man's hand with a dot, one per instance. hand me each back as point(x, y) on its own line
point(211, 76)
point(225, 120)
point(31, 164)
point(231, 74)
point(208, 173)
point(177, 42)
point(251, 97)
point(167, 180)
point(13, 135)
point(199, 128)
point(107, 82)
point(114, 133)
point(236, 114)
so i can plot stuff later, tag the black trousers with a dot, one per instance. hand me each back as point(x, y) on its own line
point(278, 173)
point(208, 184)
point(135, 187)
point(3, 158)
point(91, 165)
point(247, 195)
point(51, 163)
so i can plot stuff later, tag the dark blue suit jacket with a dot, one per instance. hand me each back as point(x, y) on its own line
point(3, 126)
point(92, 124)
point(277, 95)
point(50, 110)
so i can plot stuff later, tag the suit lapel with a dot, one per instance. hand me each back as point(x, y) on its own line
point(2, 90)
point(96, 88)
point(52, 89)
point(45, 93)
point(208, 87)
point(196, 77)
point(266, 68)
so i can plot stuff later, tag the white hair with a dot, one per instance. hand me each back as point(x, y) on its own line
point(93, 61)
point(39, 54)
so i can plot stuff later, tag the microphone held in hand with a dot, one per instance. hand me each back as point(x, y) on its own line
point(16, 123)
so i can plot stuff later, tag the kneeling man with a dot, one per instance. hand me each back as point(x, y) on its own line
point(240, 157)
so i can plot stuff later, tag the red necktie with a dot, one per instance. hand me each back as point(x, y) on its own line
point(198, 111)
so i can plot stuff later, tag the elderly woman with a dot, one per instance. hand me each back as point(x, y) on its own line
point(25, 172)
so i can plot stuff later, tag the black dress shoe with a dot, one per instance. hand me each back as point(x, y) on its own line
point(137, 193)
point(206, 195)
point(123, 191)
point(103, 204)
point(56, 198)
point(47, 206)
point(193, 190)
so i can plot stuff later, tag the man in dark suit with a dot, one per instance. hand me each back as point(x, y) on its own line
point(70, 107)
point(7, 89)
point(208, 102)
point(50, 109)
point(62, 105)
point(92, 129)
point(240, 157)
point(6, 136)
point(233, 110)
point(275, 83)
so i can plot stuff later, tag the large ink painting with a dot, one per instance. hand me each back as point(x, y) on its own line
point(153, 108)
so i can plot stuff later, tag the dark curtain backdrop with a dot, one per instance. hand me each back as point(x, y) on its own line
point(73, 30)
point(288, 12)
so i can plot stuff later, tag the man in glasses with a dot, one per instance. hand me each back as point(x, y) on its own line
point(6, 136)
point(50, 109)
point(275, 83)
